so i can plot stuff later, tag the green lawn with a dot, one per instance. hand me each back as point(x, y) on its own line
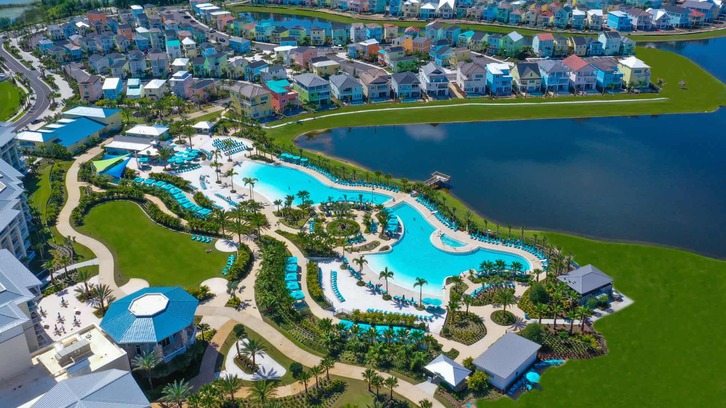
point(663, 350)
point(38, 186)
point(143, 249)
point(9, 100)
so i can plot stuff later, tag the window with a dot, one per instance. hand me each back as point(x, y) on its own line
point(165, 342)
point(137, 349)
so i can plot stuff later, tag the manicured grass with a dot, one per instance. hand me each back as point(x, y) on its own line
point(721, 32)
point(209, 117)
point(663, 349)
point(142, 249)
point(9, 100)
point(38, 185)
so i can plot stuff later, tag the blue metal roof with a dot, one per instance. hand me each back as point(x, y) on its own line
point(125, 327)
point(73, 132)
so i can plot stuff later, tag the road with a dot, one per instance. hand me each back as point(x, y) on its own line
point(41, 90)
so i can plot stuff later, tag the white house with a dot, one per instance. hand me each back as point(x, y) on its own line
point(156, 89)
point(471, 78)
point(507, 359)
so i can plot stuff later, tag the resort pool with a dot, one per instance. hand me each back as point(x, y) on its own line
point(415, 256)
point(451, 242)
point(276, 182)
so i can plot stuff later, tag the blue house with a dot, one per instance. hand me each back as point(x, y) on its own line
point(499, 79)
point(451, 34)
point(493, 41)
point(555, 76)
point(618, 20)
point(374, 31)
point(394, 7)
point(490, 12)
point(142, 43)
point(74, 52)
point(610, 41)
point(339, 33)
point(45, 44)
point(240, 45)
point(607, 75)
point(441, 55)
point(253, 70)
point(112, 88)
point(594, 47)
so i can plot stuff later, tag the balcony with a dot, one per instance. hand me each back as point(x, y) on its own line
point(170, 352)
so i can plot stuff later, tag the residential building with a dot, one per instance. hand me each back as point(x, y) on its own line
point(555, 76)
point(112, 88)
point(90, 88)
point(594, 19)
point(325, 68)
point(679, 17)
point(156, 89)
point(312, 89)
point(153, 319)
point(582, 74)
point(406, 86)
point(134, 89)
point(507, 359)
point(357, 32)
point(240, 45)
point(639, 19)
point(588, 282)
point(346, 88)
point(421, 45)
point(283, 97)
point(318, 36)
point(251, 100)
point(471, 78)
point(636, 73)
point(607, 75)
point(98, 63)
point(159, 64)
point(709, 9)
point(95, 389)
point(499, 79)
point(578, 21)
point(511, 45)
point(376, 87)
point(449, 372)
point(526, 78)
point(543, 44)
point(173, 49)
point(9, 147)
point(181, 84)
point(301, 56)
point(434, 82)
point(610, 41)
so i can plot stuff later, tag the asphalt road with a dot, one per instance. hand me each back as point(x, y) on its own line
point(41, 90)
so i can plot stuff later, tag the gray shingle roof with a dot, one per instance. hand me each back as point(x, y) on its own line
point(405, 78)
point(506, 355)
point(344, 81)
point(523, 68)
point(308, 80)
point(15, 282)
point(248, 89)
point(586, 279)
point(110, 388)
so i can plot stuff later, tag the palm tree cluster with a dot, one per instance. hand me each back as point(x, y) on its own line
point(222, 393)
point(560, 302)
point(376, 381)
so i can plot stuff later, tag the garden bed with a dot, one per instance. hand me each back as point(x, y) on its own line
point(563, 345)
point(503, 317)
point(467, 328)
point(343, 227)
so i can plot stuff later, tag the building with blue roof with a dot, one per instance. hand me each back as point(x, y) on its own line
point(155, 319)
point(78, 126)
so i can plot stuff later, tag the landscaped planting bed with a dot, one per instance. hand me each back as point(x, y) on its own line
point(343, 227)
point(503, 317)
point(563, 345)
point(466, 329)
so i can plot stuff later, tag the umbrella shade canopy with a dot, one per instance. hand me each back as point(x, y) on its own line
point(532, 377)
point(293, 285)
point(291, 276)
point(297, 295)
point(432, 301)
point(291, 268)
point(203, 125)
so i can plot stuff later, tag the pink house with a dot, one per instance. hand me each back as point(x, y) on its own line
point(223, 20)
point(301, 56)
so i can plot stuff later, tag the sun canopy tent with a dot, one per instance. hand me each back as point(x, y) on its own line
point(101, 165)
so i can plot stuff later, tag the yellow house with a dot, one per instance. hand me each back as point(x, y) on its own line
point(251, 100)
point(636, 73)
point(325, 68)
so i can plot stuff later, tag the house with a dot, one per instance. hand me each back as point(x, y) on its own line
point(190, 47)
point(471, 78)
point(357, 32)
point(112, 88)
point(134, 89)
point(156, 320)
point(325, 68)
point(679, 17)
point(376, 87)
point(507, 359)
point(562, 46)
point(493, 41)
point(627, 46)
point(636, 74)
point(499, 79)
point(607, 75)
point(318, 36)
point(449, 372)
point(610, 42)
point(94, 389)
point(406, 86)
point(578, 45)
point(578, 21)
point(202, 90)
point(156, 89)
point(661, 20)
point(502, 12)
point(72, 132)
point(515, 17)
point(253, 70)
point(180, 64)
point(555, 76)
point(273, 72)
point(594, 47)
point(594, 19)
point(374, 31)
point(346, 88)
point(451, 34)
point(582, 74)
point(390, 31)
point(411, 8)
point(479, 42)
point(98, 63)
point(526, 78)
point(421, 45)
point(440, 56)
point(283, 97)
point(543, 45)
point(434, 82)
point(639, 19)
point(619, 20)
point(709, 9)
point(181, 84)
point(561, 18)
point(301, 56)
point(251, 100)
point(312, 89)
point(159, 64)
point(435, 31)
point(90, 88)
point(696, 18)
point(464, 39)
point(339, 33)
point(588, 281)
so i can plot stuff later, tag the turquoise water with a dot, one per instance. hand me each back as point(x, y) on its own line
point(448, 241)
point(275, 182)
point(414, 255)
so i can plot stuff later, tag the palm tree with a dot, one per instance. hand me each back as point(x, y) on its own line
point(250, 181)
point(304, 377)
point(316, 371)
point(230, 174)
point(327, 364)
point(555, 309)
point(506, 298)
point(583, 313)
point(572, 315)
point(223, 218)
point(146, 363)
point(377, 383)
point(104, 295)
point(278, 203)
point(420, 282)
point(468, 300)
point(368, 375)
point(391, 382)
point(229, 384)
point(541, 309)
point(386, 274)
point(262, 391)
point(360, 261)
point(203, 327)
point(165, 154)
point(239, 334)
point(83, 275)
point(177, 392)
point(424, 403)
point(253, 348)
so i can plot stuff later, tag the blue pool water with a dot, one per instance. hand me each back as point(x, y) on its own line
point(414, 256)
point(448, 241)
point(275, 182)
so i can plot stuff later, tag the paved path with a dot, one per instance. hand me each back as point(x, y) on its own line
point(40, 89)
point(456, 105)
point(71, 268)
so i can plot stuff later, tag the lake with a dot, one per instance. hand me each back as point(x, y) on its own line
point(13, 12)
point(656, 179)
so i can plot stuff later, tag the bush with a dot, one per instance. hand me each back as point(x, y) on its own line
point(295, 369)
point(503, 317)
point(242, 264)
point(538, 293)
point(477, 382)
point(316, 292)
point(202, 200)
point(180, 182)
point(201, 293)
point(469, 364)
point(534, 332)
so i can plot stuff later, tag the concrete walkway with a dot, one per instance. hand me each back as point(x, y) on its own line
point(71, 268)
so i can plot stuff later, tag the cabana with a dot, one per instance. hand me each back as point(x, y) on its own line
point(204, 126)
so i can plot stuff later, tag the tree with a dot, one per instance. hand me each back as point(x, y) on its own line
point(327, 364)
point(176, 392)
point(537, 293)
point(253, 348)
point(391, 382)
point(360, 261)
point(424, 403)
point(146, 363)
point(477, 382)
point(555, 309)
point(583, 313)
point(377, 383)
point(505, 298)
point(250, 181)
point(230, 174)
point(262, 391)
point(368, 375)
point(316, 371)
point(534, 332)
point(277, 203)
point(165, 154)
point(229, 384)
point(104, 295)
point(420, 282)
point(239, 333)
point(541, 309)
point(304, 377)
point(203, 327)
point(386, 274)
point(83, 275)
point(222, 217)
point(468, 300)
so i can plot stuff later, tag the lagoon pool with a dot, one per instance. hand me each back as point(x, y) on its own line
point(276, 182)
point(451, 242)
point(415, 256)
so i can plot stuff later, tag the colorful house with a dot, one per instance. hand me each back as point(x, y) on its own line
point(283, 97)
point(374, 31)
point(112, 88)
point(594, 19)
point(376, 87)
point(325, 68)
point(543, 45)
point(346, 88)
point(610, 41)
point(619, 21)
point(607, 75)
point(251, 100)
point(471, 78)
point(434, 82)
point(582, 74)
point(317, 36)
point(240, 45)
point(312, 89)
point(636, 73)
point(406, 86)
point(555, 76)
point(499, 79)
point(526, 78)
point(511, 44)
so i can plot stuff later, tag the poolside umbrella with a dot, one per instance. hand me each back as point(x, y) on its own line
point(532, 377)
point(432, 301)
point(291, 268)
point(291, 276)
point(293, 285)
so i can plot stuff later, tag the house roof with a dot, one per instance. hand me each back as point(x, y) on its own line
point(585, 279)
point(15, 283)
point(432, 69)
point(604, 63)
point(308, 80)
point(551, 66)
point(403, 78)
point(249, 90)
point(91, 112)
point(145, 130)
point(449, 370)
point(575, 63)
point(506, 355)
point(515, 36)
point(344, 81)
point(278, 86)
point(100, 389)
point(111, 84)
point(524, 68)
point(632, 62)
point(497, 68)
point(469, 68)
point(545, 37)
point(149, 315)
